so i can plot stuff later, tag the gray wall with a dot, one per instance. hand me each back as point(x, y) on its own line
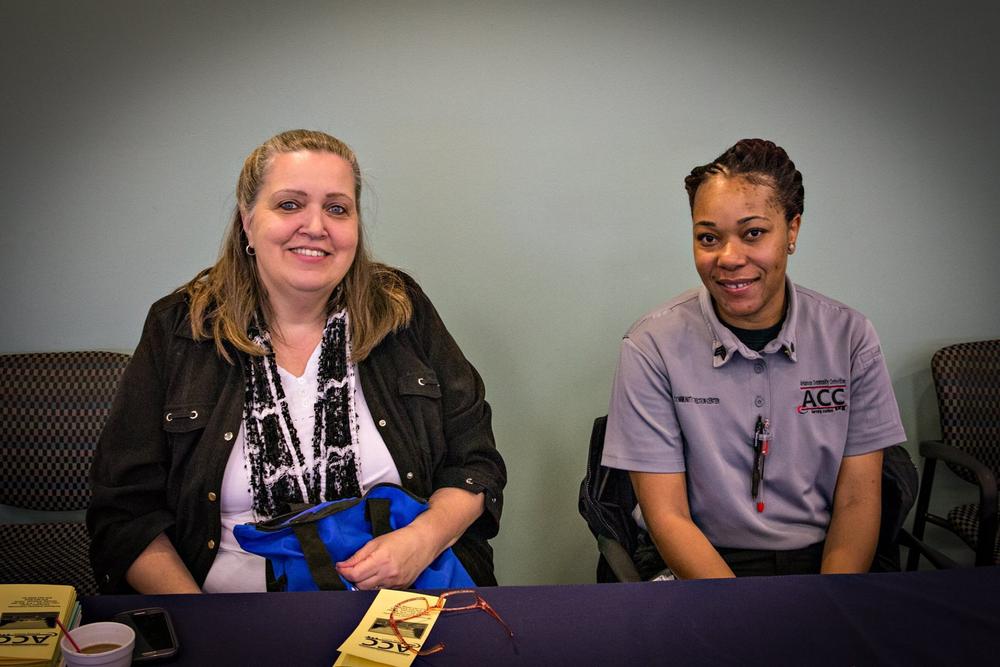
point(524, 161)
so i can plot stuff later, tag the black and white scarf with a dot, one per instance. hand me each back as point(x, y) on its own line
point(278, 475)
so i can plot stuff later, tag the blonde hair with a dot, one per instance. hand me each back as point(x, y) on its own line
point(225, 297)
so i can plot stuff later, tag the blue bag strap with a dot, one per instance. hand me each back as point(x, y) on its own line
point(377, 513)
point(321, 566)
point(274, 584)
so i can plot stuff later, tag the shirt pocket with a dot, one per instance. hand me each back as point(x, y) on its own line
point(420, 397)
point(184, 425)
point(421, 383)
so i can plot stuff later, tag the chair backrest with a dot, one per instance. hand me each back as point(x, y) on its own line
point(52, 408)
point(967, 380)
point(606, 495)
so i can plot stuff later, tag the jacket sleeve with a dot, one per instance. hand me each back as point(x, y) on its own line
point(471, 460)
point(129, 473)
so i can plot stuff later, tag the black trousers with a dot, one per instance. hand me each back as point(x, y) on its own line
point(743, 562)
point(762, 563)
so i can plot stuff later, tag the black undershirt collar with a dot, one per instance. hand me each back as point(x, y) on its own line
point(756, 339)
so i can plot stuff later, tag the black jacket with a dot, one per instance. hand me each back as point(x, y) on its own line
point(162, 453)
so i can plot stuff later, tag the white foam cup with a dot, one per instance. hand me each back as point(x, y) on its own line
point(99, 633)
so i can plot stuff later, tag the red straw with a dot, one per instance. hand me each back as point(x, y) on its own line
point(68, 635)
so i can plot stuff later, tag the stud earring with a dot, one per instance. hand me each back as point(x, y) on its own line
point(791, 248)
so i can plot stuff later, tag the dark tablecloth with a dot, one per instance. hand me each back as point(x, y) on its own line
point(918, 618)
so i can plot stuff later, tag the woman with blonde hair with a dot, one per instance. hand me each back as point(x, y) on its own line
point(294, 370)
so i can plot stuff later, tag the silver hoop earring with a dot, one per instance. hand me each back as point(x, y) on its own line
point(791, 248)
point(250, 251)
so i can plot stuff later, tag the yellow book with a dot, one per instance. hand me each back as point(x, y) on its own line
point(28, 631)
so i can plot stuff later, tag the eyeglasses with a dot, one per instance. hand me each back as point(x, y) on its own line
point(464, 600)
point(761, 446)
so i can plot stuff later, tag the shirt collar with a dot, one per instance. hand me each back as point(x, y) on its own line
point(725, 343)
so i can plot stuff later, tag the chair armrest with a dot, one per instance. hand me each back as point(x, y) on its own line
point(987, 482)
point(618, 559)
point(936, 558)
point(935, 449)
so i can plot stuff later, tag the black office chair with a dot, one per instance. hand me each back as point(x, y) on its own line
point(627, 552)
point(606, 503)
point(967, 381)
point(52, 409)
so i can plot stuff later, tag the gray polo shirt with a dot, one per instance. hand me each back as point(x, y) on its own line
point(687, 394)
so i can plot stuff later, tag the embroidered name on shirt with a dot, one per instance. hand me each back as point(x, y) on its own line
point(697, 400)
point(823, 396)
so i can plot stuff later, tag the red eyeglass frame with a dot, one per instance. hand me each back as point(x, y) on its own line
point(439, 606)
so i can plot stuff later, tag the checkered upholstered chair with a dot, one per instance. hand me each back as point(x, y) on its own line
point(52, 409)
point(967, 380)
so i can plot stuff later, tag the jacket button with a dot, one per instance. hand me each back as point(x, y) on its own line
point(409, 475)
point(381, 422)
point(228, 436)
point(468, 480)
point(212, 496)
point(759, 401)
point(211, 544)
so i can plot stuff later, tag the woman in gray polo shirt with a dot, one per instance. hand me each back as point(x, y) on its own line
point(752, 412)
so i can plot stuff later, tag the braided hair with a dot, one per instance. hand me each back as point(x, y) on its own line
point(760, 162)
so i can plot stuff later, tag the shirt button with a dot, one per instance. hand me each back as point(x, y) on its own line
point(758, 367)
point(409, 475)
point(381, 422)
point(212, 496)
point(211, 544)
point(227, 436)
point(759, 401)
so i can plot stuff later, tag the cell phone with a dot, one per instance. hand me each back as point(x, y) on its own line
point(155, 638)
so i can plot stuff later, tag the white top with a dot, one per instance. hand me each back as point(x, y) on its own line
point(237, 571)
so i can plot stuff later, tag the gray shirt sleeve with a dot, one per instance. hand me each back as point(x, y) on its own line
point(643, 432)
point(874, 416)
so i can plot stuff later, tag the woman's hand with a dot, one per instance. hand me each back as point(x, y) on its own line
point(396, 559)
point(393, 560)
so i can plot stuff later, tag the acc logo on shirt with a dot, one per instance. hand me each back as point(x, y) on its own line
point(821, 396)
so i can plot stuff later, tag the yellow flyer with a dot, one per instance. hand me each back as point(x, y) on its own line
point(374, 643)
point(28, 631)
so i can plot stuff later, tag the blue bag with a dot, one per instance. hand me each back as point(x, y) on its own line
point(301, 547)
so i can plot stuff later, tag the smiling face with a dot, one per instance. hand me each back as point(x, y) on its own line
point(303, 227)
point(741, 242)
